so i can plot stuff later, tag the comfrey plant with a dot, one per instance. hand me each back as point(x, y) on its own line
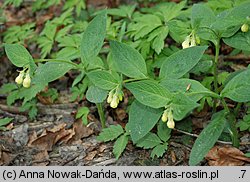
point(159, 101)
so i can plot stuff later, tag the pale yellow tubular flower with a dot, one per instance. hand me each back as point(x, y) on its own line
point(110, 97)
point(164, 116)
point(26, 81)
point(19, 78)
point(185, 43)
point(244, 28)
point(171, 123)
point(193, 41)
point(114, 102)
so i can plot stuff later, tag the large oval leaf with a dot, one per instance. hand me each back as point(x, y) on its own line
point(240, 41)
point(95, 94)
point(93, 37)
point(150, 93)
point(50, 71)
point(182, 105)
point(103, 79)
point(179, 63)
point(128, 60)
point(19, 56)
point(141, 120)
point(191, 88)
point(238, 88)
point(207, 138)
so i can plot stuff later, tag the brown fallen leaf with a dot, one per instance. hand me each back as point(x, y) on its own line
point(48, 138)
point(91, 155)
point(226, 156)
point(81, 131)
point(40, 157)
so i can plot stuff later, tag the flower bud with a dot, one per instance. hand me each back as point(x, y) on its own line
point(197, 39)
point(26, 81)
point(19, 78)
point(244, 27)
point(164, 117)
point(185, 43)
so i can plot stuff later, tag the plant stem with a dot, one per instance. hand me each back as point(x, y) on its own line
point(231, 121)
point(101, 114)
point(237, 108)
point(215, 71)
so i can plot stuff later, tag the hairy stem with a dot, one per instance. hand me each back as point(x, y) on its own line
point(215, 72)
point(101, 114)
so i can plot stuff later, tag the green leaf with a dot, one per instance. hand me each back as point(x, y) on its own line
point(245, 123)
point(120, 145)
point(150, 93)
point(238, 88)
point(50, 71)
point(149, 141)
point(163, 131)
point(182, 105)
point(191, 88)
point(159, 41)
point(179, 63)
point(128, 60)
point(18, 55)
point(141, 120)
point(7, 88)
point(83, 114)
point(159, 150)
point(240, 41)
point(111, 133)
point(96, 95)
point(103, 79)
point(202, 16)
point(207, 138)
point(93, 37)
point(5, 121)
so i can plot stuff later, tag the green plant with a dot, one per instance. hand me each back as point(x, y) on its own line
point(4, 122)
point(160, 99)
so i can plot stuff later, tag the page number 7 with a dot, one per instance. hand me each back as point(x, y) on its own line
point(243, 173)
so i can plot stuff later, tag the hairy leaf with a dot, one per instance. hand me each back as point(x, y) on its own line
point(207, 138)
point(103, 79)
point(95, 94)
point(93, 37)
point(150, 93)
point(141, 120)
point(127, 60)
point(179, 63)
point(238, 88)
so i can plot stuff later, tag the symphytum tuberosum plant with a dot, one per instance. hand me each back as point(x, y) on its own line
point(158, 100)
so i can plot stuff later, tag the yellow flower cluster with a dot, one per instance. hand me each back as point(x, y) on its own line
point(26, 81)
point(168, 117)
point(114, 97)
point(190, 41)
